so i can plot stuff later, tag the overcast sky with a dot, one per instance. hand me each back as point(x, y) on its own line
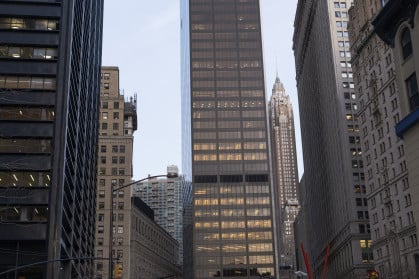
point(142, 38)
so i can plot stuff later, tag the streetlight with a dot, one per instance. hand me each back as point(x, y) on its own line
point(172, 172)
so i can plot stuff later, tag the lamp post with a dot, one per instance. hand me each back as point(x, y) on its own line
point(172, 172)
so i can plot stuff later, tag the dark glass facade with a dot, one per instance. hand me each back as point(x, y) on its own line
point(224, 109)
point(50, 55)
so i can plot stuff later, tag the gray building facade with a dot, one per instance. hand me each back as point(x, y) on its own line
point(335, 208)
point(50, 55)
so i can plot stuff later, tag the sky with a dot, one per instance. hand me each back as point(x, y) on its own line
point(142, 38)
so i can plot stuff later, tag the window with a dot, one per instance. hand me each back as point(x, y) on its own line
point(116, 105)
point(120, 229)
point(101, 217)
point(122, 160)
point(120, 205)
point(106, 85)
point(406, 43)
point(104, 115)
point(412, 91)
point(115, 126)
point(121, 171)
point(116, 115)
point(101, 205)
point(100, 229)
point(103, 148)
point(114, 148)
point(104, 126)
point(114, 159)
point(122, 148)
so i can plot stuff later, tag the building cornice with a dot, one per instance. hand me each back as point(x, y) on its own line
point(391, 16)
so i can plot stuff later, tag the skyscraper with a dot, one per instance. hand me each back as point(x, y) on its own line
point(226, 143)
point(118, 122)
point(167, 199)
point(50, 55)
point(285, 170)
point(335, 206)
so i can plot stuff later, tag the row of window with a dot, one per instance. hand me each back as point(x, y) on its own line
point(230, 146)
point(25, 179)
point(227, 124)
point(114, 160)
point(238, 224)
point(232, 189)
point(25, 145)
point(227, 83)
point(27, 82)
point(114, 148)
point(28, 23)
point(232, 201)
point(22, 113)
point(225, 26)
point(255, 156)
point(254, 212)
point(23, 214)
point(28, 52)
point(226, 74)
point(226, 53)
point(225, 45)
point(240, 114)
point(253, 93)
point(114, 171)
point(228, 104)
point(226, 36)
point(226, 64)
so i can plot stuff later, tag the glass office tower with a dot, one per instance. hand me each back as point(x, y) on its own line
point(50, 55)
point(226, 151)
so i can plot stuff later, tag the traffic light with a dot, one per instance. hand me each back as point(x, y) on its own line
point(372, 274)
point(117, 273)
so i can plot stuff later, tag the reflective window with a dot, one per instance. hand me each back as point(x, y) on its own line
point(22, 113)
point(25, 146)
point(27, 82)
point(25, 179)
point(23, 214)
point(406, 43)
point(28, 23)
point(28, 52)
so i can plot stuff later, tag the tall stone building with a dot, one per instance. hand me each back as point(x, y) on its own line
point(118, 121)
point(50, 55)
point(389, 194)
point(226, 141)
point(285, 170)
point(335, 209)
